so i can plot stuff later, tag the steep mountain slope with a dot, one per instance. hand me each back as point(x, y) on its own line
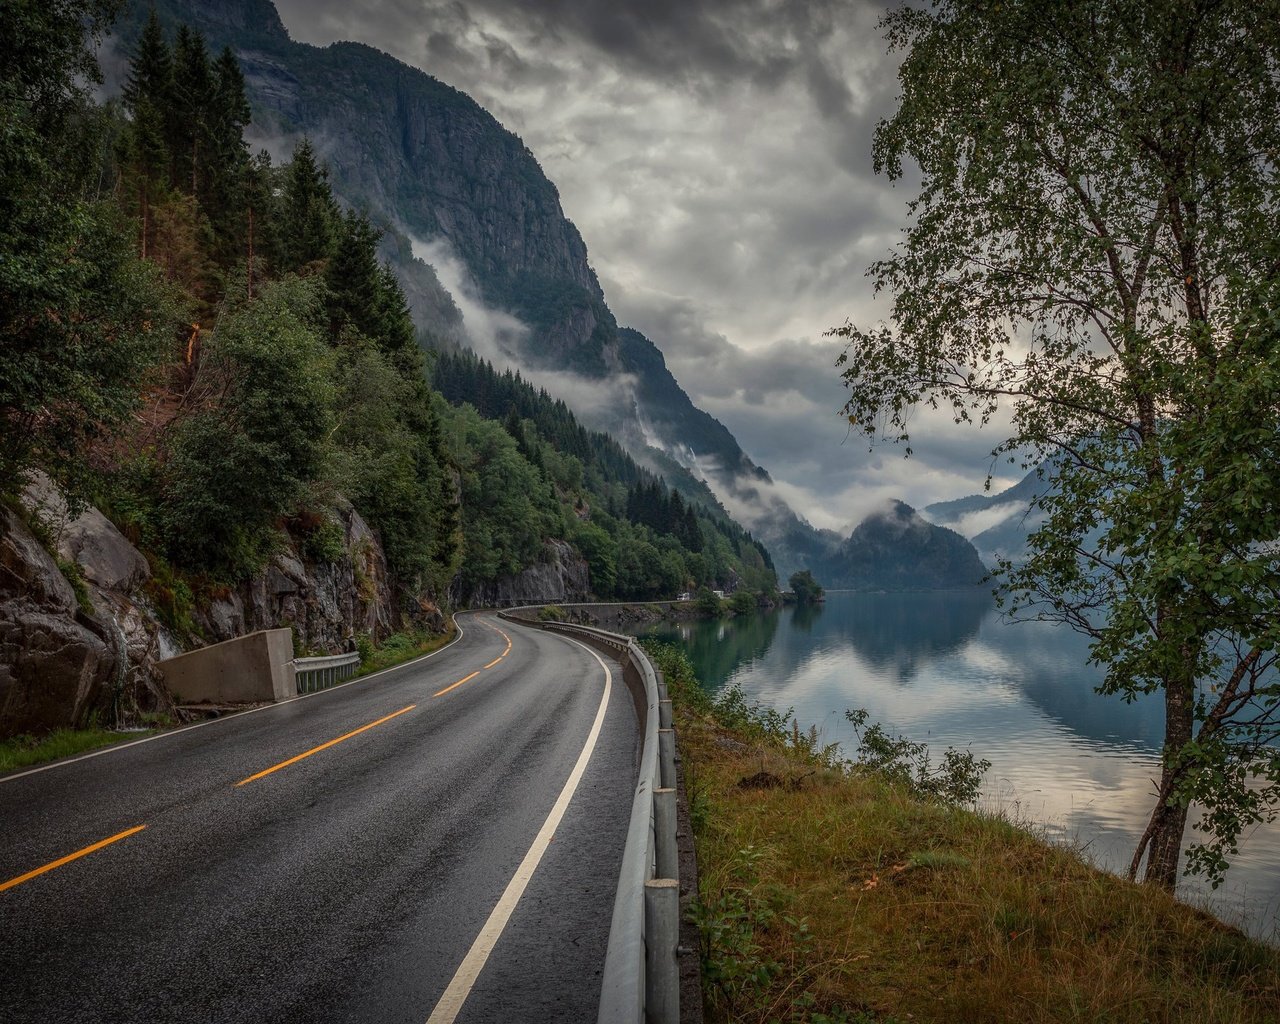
point(997, 524)
point(431, 164)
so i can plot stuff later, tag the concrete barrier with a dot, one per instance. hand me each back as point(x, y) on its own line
point(256, 667)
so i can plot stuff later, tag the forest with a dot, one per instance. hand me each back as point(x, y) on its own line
point(209, 347)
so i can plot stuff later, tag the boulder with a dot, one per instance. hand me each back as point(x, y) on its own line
point(104, 554)
point(57, 665)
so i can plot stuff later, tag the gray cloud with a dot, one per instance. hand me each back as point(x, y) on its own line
point(716, 156)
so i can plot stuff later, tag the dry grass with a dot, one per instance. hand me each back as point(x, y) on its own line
point(845, 899)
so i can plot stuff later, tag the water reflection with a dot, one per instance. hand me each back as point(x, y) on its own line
point(904, 632)
point(948, 669)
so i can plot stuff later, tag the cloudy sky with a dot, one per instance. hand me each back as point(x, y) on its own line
point(716, 156)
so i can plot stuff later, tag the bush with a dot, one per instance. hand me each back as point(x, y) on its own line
point(956, 780)
point(707, 603)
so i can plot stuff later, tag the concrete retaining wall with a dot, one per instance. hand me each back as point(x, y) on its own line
point(256, 667)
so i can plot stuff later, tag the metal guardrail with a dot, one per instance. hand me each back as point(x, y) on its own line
point(319, 673)
point(641, 981)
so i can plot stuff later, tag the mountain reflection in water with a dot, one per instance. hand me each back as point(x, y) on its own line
point(947, 668)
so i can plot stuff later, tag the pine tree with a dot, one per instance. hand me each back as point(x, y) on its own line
point(145, 153)
point(354, 278)
point(308, 212)
point(223, 194)
point(190, 114)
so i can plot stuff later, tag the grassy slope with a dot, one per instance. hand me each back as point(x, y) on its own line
point(840, 898)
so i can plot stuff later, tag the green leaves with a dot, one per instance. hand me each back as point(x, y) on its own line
point(1092, 256)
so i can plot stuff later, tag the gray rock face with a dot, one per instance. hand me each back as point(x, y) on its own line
point(56, 666)
point(324, 603)
point(104, 555)
point(59, 665)
point(564, 577)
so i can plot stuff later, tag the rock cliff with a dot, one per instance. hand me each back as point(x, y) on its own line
point(81, 629)
point(563, 576)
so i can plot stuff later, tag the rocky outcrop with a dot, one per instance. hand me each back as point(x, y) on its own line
point(72, 653)
point(324, 602)
point(90, 539)
point(563, 576)
point(58, 666)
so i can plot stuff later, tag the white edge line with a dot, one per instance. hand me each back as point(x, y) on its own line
point(235, 715)
point(468, 971)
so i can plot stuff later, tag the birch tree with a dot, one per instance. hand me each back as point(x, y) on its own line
point(1093, 257)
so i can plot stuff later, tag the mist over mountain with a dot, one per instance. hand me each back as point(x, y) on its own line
point(898, 549)
point(997, 524)
point(486, 255)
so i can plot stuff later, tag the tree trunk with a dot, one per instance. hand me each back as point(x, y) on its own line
point(1169, 819)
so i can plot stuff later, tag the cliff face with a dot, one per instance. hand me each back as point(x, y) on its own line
point(563, 577)
point(68, 657)
point(431, 163)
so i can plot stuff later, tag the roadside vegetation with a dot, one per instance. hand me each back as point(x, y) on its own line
point(866, 891)
point(25, 751)
point(400, 647)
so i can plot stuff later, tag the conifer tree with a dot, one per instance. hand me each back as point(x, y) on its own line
point(189, 107)
point(145, 153)
point(227, 165)
point(354, 278)
point(308, 212)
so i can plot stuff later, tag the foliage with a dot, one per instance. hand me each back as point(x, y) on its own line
point(24, 751)
point(1093, 256)
point(743, 602)
point(507, 506)
point(399, 647)
point(81, 320)
point(244, 459)
point(956, 780)
point(707, 603)
point(805, 587)
point(71, 571)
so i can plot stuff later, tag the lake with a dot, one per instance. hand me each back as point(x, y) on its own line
point(946, 668)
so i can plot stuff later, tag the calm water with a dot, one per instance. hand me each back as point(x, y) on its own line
point(947, 669)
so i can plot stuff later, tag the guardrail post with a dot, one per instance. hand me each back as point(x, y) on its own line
point(667, 758)
point(661, 937)
point(664, 713)
point(666, 853)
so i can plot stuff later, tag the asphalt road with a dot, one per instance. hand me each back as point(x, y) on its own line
point(350, 884)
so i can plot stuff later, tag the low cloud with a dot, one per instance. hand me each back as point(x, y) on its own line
point(716, 156)
point(498, 336)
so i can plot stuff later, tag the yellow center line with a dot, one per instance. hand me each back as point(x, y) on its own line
point(454, 686)
point(324, 746)
point(70, 857)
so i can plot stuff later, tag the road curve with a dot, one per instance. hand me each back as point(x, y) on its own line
point(334, 857)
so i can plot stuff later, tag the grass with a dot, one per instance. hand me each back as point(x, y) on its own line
point(400, 647)
point(833, 896)
point(25, 751)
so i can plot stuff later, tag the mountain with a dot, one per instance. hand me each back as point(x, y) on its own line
point(897, 549)
point(431, 165)
point(997, 524)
